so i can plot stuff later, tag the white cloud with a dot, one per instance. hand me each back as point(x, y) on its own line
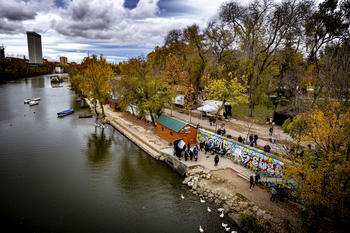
point(145, 9)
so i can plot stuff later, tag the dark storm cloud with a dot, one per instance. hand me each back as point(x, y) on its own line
point(16, 11)
point(10, 28)
point(13, 12)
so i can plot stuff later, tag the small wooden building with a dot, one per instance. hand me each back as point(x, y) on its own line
point(171, 129)
point(113, 104)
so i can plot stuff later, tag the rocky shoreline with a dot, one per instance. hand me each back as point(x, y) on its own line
point(235, 206)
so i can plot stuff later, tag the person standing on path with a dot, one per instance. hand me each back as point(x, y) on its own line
point(256, 139)
point(270, 131)
point(251, 140)
point(251, 180)
point(274, 194)
point(214, 120)
point(240, 139)
point(216, 160)
point(211, 121)
point(257, 178)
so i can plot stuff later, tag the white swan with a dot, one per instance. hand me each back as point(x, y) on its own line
point(233, 231)
point(182, 196)
point(202, 201)
point(224, 225)
point(227, 228)
point(220, 209)
point(222, 215)
point(209, 210)
point(201, 229)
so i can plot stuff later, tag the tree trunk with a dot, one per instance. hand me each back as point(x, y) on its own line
point(96, 108)
point(296, 97)
point(251, 109)
point(103, 111)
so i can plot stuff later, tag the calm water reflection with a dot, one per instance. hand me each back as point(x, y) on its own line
point(66, 175)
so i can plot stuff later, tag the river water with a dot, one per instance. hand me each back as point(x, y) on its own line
point(66, 175)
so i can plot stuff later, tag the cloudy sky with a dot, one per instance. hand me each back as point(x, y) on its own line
point(118, 29)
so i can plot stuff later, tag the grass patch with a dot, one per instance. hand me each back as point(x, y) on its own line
point(242, 197)
point(252, 224)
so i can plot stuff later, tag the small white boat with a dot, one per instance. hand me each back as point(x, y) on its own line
point(31, 103)
point(36, 99)
point(27, 101)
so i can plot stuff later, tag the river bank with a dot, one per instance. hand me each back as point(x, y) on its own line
point(221, 185)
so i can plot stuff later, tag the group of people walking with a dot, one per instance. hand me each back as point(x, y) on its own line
point(191, 153)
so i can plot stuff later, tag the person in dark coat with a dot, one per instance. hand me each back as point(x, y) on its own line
point(251, 140)
point(211, 121)
point(267, 148)
point(186, 155)
point(251, 180)
point(240, 139)
point(257, 178)
point(216, 160)
point(256, 139)
point(270, 131)
point(191, 155)
point(188, 147)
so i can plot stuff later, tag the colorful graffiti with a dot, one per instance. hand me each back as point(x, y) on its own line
point(256, 161)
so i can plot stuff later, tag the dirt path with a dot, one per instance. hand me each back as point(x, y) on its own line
point(258, 195)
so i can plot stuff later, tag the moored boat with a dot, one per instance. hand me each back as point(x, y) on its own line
point(85, 116)
point(55, 78)
point(27, 101)
point(65, 112)
point(31, 103)
point(35, 99)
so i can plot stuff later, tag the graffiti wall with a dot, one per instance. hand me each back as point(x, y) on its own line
point(256, 161)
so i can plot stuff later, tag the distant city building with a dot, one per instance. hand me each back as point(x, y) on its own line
point(64, 60)
point(34, 48)
point(2, 51)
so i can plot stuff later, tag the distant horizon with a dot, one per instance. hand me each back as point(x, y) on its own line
point(117, 29)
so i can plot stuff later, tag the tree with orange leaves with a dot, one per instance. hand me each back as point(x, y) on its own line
point(323, 175)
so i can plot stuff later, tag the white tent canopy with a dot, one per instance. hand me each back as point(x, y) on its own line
point(207, 108)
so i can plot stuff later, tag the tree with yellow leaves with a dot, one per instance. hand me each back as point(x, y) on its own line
point(323, 175)
point(226, 90)
point(97, 74)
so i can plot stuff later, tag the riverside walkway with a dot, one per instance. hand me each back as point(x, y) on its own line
point(145, 136)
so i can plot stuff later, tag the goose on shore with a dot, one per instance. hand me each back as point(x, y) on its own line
point(209, 210)
point(224, 225)
point(182, 196)
point(201, 229)
point(201, 200)
point(220, 209)
point(222, 215)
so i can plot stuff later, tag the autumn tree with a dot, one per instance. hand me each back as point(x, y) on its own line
point(260, 29)
point(228, 90)
point(142, 88)
point(322, 176)
point(96, 73)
